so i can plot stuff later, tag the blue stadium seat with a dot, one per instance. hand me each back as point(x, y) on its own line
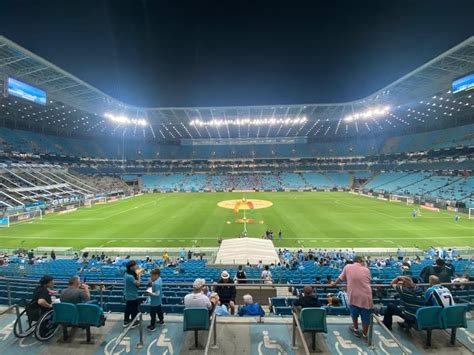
point(195, 319)
point(313, 320)
point(429, 318)
point(89, 315)
point(454, 317)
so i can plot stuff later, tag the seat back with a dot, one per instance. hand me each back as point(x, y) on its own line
point(195, 319)
point(89, 314)
point(313, 319)
point(278, 301)
point(65, 313)
point(429, 318)
point(454, 316)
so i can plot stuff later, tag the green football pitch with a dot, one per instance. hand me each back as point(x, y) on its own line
point(306, 219)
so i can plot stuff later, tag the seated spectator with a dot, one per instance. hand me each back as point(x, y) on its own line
point(76, 292)
point(226, 291)
point(240, 276)
point(411, 299)
point(440, 269)
point(249, 308)
point(41, 301)
point(219, 309)
point(333, 301)
point(460, 278)
point(438, 295)
point(342, 295)
point(197, 299)
point(308, 299)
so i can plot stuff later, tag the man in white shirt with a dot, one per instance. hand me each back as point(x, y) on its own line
point(197, 299)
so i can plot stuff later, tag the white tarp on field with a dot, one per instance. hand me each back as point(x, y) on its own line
point(243, 250)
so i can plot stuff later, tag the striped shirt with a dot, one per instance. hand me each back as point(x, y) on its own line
point(342, 295)
point(411, 299)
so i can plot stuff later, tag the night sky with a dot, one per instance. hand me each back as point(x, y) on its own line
point(200, 53)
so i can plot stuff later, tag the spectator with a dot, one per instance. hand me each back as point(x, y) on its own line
point(31, 255)
point(342, 295)
point(359, 292)
point(411, 299)
point(41, 301)
point(241, 275)
point(266, 275)
point(196, 299)
point(438, 295)
point(226, 291)
point(53, 255)
point(76, 292)
point(156, 296)
point(249, 308)
point(132, 283)
point(440, 269)
point(308, 299)
point(190, 254)
point(220, 309)
point(460, 279)
point(333, 300)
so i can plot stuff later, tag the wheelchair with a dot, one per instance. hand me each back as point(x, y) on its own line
point(30, 321)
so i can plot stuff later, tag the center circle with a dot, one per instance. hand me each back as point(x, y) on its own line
point(245, 204)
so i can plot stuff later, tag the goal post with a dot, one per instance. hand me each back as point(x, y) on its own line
point(471, 213)
point(8, 220)
point(88, 203)
point(410, 201)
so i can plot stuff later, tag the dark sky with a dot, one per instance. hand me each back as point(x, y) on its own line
point(198, 53)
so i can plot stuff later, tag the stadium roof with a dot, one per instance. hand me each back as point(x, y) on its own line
point(420, 99)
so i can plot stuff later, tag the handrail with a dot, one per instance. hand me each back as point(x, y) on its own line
point(17, 310)
point(119, 339)
point(213, 333)
point(297, 326)
point(370, 334)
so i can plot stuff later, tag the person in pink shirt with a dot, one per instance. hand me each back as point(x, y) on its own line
point(359, 293)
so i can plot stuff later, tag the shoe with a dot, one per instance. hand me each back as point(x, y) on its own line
point(151, 328)
point(404, 325)
point(136, 324)
point(161, 322)
point(126, 324)
point(355, 331)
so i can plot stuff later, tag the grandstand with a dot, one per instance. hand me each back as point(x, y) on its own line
point(82, 172)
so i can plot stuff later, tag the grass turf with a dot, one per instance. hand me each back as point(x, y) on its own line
point(317, 220)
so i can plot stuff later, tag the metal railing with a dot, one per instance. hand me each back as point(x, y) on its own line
point(370, 334)
point(297, 327)
point(17, 310)
point(138, 318)
point(212, 334)
point(101, 286)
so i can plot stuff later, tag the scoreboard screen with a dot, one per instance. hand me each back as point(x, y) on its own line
point(25, 91)
point(463, 84)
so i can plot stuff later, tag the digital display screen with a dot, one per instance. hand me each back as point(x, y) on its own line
point(463, 84)
point(25, 91)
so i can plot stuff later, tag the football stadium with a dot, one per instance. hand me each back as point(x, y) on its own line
point(248, 229)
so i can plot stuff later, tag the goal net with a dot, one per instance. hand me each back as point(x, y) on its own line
point(95, 201)
point(7, 221)
point(471, 213)
point(410, 201)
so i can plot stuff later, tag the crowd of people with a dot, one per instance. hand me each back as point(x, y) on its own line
point(354, 287)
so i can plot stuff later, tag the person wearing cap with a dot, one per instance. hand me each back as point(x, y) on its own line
point(226, 291)
point(197, 299)
point(41, 301)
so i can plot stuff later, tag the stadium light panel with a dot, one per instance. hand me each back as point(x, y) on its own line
point(122, 119)
point(249, 121)
point(367, 114)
